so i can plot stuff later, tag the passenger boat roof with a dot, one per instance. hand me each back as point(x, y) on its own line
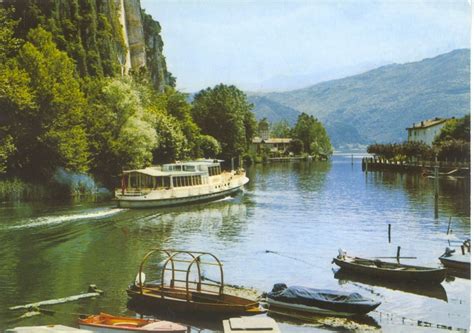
point(158, 170)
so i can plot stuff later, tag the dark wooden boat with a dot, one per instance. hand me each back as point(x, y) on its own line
point(319, 301)
point(422, 289)
point(458, 263)
point(182, 294)
point(390, 271)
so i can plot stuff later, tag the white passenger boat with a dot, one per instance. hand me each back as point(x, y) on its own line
point(177, 184)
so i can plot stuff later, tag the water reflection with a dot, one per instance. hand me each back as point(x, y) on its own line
point(301, 210)
point(434, 291)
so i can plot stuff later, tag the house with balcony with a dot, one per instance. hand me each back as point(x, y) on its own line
point(274, 146)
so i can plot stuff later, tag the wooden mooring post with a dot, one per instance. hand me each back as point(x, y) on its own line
point(436, 186)
point(449, 226)
point(389, 232)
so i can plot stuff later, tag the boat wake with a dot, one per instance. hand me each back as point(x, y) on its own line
point(228, 198)
point(53, 220)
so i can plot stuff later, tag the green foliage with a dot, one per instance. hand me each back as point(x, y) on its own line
point(455, 129)
point(209, 147)
point(450, 149)
point(172, 143)
point(121, 132)
point(263, 126)
point(387, 151)
point(224, 113)
point(313, 135)
point(281, 129)
point(43, 109)
point(8, 42)
point(454, 150)
point(296, 146)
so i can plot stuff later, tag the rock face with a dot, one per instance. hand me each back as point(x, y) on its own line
point(105, 38)
point(134, 32)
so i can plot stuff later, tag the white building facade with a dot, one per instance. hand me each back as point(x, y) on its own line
point(426, 131)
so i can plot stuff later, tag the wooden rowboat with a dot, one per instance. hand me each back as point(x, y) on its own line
point(104, 322)
point(458, 263)
point(182, 293)
point(390, 271)
point(428, 290)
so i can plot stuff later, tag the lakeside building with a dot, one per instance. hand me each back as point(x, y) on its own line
point(426, 130)
point(272, 145)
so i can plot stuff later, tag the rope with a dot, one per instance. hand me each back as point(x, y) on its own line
point(421, 323)
point(290, 257)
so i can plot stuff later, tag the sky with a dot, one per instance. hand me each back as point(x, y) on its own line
point(265, 45)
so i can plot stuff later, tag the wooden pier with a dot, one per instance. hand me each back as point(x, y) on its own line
point(422, 167)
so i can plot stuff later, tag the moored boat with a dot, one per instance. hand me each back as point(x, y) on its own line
point(104, 323)
point(183, 288)
point(390, 271)
point(319, 301)
point(457, 261)
point(428, 290)
point(178, 183)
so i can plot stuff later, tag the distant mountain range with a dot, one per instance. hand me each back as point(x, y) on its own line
point(378, 105)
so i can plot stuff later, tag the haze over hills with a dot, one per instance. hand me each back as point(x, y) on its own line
point(377, 106)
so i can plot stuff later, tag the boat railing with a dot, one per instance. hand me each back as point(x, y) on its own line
point(190, 259)
point(137, 191)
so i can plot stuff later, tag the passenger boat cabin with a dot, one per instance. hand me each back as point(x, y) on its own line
point(171, 175)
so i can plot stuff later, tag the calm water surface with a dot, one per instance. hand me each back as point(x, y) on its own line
point(303, 212)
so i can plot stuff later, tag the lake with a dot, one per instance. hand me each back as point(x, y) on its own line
point(286, 227)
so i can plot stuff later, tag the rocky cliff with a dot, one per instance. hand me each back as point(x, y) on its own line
point(104, 37)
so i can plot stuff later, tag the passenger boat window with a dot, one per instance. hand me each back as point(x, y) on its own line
point(166, 182)
point(189, 168)
point(133, 180)
point(148, 181)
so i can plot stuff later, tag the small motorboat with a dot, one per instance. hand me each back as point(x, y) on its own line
point(320, 301)
point(182, 289)
point(104, 322)
point(458, 261)
point(390, 271)
point(250, 324)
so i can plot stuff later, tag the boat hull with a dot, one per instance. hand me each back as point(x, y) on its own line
point(204, 307)
point(427, 275)
point(107, 329)
point(344, 310)
point(456, 264)
point(177, 201)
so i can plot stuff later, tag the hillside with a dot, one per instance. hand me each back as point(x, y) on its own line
point(105, 38)
point(273, 111)
point(378, 105)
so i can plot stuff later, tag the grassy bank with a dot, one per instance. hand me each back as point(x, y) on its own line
point(18, 190)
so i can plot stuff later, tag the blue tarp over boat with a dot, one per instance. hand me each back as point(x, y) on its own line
point(328, 301)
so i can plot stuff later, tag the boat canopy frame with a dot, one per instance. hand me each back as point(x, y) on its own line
point(176, 256)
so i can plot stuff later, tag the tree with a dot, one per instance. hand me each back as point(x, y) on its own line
point(455, 129)
point(313, 135)
point(281, 129)
point(263, 127)
point(52, 125)
point(175, 104)
point(121, 130)
point(209, 147)
point(224, 113)
point(296, 146)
